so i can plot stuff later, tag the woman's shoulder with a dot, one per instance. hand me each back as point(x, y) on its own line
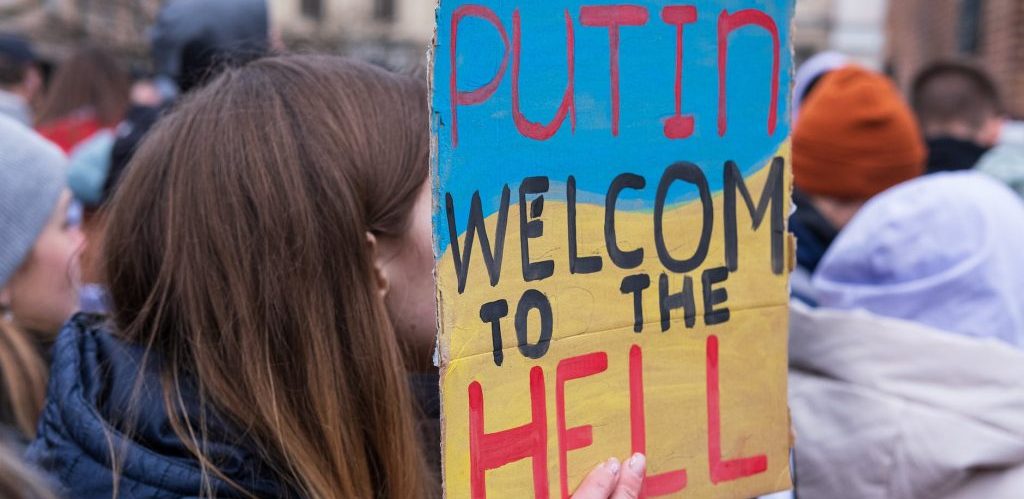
point(105, 411)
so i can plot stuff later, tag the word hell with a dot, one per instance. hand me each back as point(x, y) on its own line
point(489, 451)
point(613, 18)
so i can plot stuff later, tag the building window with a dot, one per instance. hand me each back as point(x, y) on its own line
point(313, 9)
point(384, 10)
point(970, 28)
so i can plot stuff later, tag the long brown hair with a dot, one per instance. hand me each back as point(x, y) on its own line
point(90, 79)
point(18, 480)
point(236, 251)
point(23, 376)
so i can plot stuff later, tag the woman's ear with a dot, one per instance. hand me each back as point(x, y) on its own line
point(379, 271)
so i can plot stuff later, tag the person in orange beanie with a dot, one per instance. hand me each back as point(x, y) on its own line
point(856, 137)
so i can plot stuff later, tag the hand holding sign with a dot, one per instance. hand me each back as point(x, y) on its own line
point(610, 481)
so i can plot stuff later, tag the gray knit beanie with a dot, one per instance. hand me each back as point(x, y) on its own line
point(32, 177)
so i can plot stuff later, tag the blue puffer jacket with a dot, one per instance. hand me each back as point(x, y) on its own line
point(93, 378)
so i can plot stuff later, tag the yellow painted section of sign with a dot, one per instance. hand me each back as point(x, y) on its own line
point(591, 315)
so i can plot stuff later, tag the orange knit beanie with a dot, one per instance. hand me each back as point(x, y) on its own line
point(855, 137)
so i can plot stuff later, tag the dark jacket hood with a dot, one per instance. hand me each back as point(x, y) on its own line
point(93, 383)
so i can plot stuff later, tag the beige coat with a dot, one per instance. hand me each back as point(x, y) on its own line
point(888, 409)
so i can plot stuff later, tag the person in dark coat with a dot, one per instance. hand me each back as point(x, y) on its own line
point(97, 376)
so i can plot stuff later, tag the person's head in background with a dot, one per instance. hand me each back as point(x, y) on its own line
point(20, 78)
point(943, 250)
point(960, 112)
point(271, 241)
point(856, 138)
point(192, 38)
point(191, 42)
point(37, 268)
point(88, 92)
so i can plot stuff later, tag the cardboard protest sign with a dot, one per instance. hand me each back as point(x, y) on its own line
point(611, 189)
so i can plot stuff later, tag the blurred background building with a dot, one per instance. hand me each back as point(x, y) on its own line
point(812, 27)
point(56, 26)
point(853, 27)
point(394, 33)
point(897, 36)
point(902, 36)
point(988, 32)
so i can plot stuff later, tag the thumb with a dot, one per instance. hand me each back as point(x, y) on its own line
point(631, 480)
point(600, 483)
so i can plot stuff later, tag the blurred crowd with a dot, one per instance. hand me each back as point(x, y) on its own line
point(200, 266)
point(907, 323)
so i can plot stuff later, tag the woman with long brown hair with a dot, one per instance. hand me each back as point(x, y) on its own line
point(90, 92)
point(269, 263)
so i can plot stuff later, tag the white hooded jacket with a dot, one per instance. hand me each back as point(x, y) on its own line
point(945, 250)
point(884, 408)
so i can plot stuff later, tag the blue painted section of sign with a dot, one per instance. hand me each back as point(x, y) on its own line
point(492, 152)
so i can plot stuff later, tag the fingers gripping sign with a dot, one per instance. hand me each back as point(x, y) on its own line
point(611, 479)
